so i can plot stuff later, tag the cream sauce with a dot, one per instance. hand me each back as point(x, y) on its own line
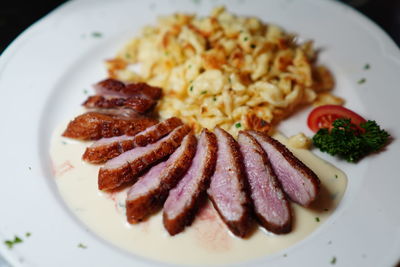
point(207, 241)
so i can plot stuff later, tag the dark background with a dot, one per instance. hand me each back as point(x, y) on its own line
point(17, 15)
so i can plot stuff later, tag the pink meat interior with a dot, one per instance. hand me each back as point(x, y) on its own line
point(225, 187)
point(267, 199)
point(152, 179)
point(182, 195)
point(299, 188)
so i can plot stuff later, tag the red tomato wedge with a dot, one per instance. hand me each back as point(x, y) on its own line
point(323, 116)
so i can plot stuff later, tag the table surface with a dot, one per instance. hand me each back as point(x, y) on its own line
point(17, 15)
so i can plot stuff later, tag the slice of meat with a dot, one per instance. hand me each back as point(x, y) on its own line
point(122, 113)
point(184, 200)
point(112, 87)
point(95, 125)
point(138, 103)
point(298, 181)
point(128, 166)
point(270, 204)
point(228, 186)
point(108, 148)
point(148, 194)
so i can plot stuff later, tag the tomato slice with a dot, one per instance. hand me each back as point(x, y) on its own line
point(323, 116)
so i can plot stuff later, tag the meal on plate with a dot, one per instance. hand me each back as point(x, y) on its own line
point(186, 116)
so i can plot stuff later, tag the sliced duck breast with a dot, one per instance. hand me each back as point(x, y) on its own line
point(270, 204)
point(108, 148)
point(298, 181)
point(113, 87)
point(128, 166)
point(183, 201)
point(148, 194)
point(95, 125)
point(138, 103)
point(228, 185)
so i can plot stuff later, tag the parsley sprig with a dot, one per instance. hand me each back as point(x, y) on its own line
point(349, 141)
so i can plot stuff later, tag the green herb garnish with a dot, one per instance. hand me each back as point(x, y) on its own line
point(215, 98)
point(245, 39)
point(361, 81)
point(367, 66)
point(191, 88)
point(238, 125)
point(10, 243)
point(80, 245)
point(203, 92)
point(97, 34)
point(28, 234)
point(333, 260)
point(317, 219)
point(349, 141)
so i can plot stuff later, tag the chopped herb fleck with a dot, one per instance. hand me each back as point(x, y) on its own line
point(361, 81)
point(229, 79)
point(10, 243)
point(85, 91)
point(80, 245)
point(191, 88)
point(97, 34)
point(203, 92)
point(238, 125)
point(253, 46)
point(333, 260)
point(285, 255)
point(215, 98)
point(336, 176)
point(127, 55)
point(245, 39)
point(28, 234)
point(317, 219)
point(367, 66)
point(166, 53)
point(190, 65)
point(63, 142)
point(30, 168)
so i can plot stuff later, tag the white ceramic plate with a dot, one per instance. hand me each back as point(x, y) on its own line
point(43, 75)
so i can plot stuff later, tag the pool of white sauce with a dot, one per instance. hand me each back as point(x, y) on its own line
point(207, 240)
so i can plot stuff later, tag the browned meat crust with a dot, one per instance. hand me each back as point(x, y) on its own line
point(271, 207)
point(95, 125)
point(145, 204)
point(138, 103)
point(100, 153)
point(305, 172)
point(129, 165)
point(230, 166)
point(150, 135)
point(194, 183)
point(113, 87)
